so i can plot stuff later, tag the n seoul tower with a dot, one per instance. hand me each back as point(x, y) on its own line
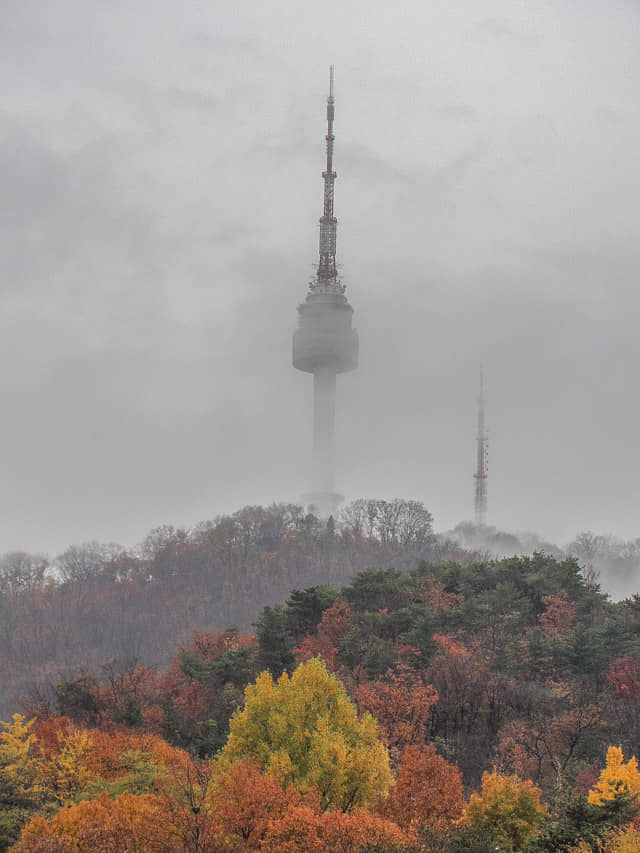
point(324, 343)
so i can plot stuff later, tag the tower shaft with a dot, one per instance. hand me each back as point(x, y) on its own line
point(482, 461)
point(323, 450)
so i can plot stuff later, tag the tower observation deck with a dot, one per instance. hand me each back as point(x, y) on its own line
point(325, 343)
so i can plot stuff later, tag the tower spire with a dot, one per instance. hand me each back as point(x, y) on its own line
point(482, 461)
point(327, 276)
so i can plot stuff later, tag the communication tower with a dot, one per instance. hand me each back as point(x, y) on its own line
point(325, 343)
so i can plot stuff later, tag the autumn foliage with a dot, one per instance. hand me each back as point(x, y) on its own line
point(616, 778)
point(427, 790)
point(246, 801)
point(103, 825)
point(401, 702)
point(303, 828)
point(626, 840)
point(305, 731)
point(509, 808)
point(349, 719)
point(325, 643)
point(120, 791)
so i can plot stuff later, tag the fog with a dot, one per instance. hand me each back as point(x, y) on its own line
point(159, 194)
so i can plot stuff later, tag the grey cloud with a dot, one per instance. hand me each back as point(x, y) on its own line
point(504, 27)
point(160, 186)
point(455, 112)
point(498, 25)
point(360, 161)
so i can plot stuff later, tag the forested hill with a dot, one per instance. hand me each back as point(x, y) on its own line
point(501, 684)
point(98, 603)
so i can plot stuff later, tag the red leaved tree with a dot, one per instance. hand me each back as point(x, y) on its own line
point(401, 703)
point(325, 643)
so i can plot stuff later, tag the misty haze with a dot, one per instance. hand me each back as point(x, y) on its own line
point(161, 190)
point(318, 356)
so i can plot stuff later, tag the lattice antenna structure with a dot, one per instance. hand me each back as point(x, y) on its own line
point(325, 343)
point(327, 275)
point(482, 461)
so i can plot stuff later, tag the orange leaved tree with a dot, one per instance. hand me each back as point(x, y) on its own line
point(427, 790)
point(401, 703)
point(244, 801)
point(303, 828)
point(103, 825)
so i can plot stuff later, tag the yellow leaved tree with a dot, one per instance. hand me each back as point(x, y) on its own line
point(617, 778)
point(305, 730)
point(20, 789)
point(66, 772)
point(508, 808)
point(626, 840)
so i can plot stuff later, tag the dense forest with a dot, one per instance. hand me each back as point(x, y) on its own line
point(267, 682)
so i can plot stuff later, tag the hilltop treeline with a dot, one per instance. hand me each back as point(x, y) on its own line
point(613, 561)
point(99, 601)
point(499, 687)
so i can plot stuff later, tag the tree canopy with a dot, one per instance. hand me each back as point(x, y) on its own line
point(305, 730)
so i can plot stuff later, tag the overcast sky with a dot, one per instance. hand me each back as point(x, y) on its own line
point(159, 194)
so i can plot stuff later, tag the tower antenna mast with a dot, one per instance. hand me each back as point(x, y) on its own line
point(482, 461)
point(327, 272)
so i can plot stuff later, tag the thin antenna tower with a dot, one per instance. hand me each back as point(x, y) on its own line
point(482, 462)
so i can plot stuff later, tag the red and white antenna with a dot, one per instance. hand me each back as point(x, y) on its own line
point(327, 277)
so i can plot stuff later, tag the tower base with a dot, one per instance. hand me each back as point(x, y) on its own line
point(323, 504)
